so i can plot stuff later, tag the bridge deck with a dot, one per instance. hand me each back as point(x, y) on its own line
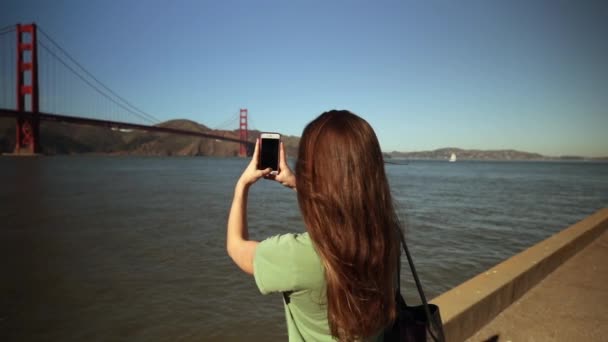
point(115, 124)
point(570, 304)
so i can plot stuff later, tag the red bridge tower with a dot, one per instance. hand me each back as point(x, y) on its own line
point(27, 138)
point(243, 133)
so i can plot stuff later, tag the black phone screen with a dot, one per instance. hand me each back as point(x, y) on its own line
point(270, 154)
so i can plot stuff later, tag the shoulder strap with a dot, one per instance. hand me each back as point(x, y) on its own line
point(420, 291)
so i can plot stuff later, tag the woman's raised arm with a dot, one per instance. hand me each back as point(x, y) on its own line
point(238, 245)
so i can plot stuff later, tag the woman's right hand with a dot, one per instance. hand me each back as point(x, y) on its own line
point(285, 176)
point(251, 173)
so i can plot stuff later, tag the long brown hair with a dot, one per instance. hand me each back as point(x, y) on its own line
point(345, 200)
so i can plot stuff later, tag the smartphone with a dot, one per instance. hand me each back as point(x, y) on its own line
point(269, 152)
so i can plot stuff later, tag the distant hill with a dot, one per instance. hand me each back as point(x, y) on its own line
point(64, 138)
point(444, 153)
point(461, 154)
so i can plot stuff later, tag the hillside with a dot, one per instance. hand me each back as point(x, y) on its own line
point(63, 138)
point(444, 153)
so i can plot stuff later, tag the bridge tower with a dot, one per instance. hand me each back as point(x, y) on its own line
point(243, 133)
point(27, 138)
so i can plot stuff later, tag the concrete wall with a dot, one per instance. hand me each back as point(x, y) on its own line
point(469, 306)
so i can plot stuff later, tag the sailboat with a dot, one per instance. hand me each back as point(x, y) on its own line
point(452, 158)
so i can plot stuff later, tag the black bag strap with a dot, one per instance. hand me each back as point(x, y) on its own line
point(429, 317)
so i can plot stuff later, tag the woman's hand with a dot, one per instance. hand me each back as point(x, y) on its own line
point(251, 173)
point(285, 175)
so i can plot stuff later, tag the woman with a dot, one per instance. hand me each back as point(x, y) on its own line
point(338, 279)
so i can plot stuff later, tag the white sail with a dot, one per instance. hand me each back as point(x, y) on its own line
point(453, 157)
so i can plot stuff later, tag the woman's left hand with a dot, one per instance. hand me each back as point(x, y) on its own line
point(251, 173)
point(285, 176)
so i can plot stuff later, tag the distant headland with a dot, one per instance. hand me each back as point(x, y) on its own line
point(462, 154)
point(68, 139)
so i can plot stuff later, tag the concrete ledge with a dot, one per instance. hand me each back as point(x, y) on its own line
point(468, 307)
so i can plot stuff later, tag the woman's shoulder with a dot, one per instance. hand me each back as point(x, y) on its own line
point(290, 258)
point(289, 238)
point(290, 245)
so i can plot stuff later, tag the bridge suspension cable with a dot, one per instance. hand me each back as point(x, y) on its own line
point(144, 117)
point(7, 67)
point(62, 93)
point(252, 126)
point(133, 109)
point(231, 122)
point(7, 29)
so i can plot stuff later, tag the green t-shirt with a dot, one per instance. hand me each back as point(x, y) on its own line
point(289, 263)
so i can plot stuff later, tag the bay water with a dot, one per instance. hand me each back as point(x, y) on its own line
point(99, 248)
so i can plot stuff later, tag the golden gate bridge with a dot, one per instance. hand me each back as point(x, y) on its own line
point(40, 81)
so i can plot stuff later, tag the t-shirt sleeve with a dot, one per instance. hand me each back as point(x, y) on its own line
point(275, 265)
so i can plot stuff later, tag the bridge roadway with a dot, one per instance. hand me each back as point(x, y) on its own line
point(114, 124)
point(570, 304)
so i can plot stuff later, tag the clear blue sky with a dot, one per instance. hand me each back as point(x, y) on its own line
point(529, 75)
